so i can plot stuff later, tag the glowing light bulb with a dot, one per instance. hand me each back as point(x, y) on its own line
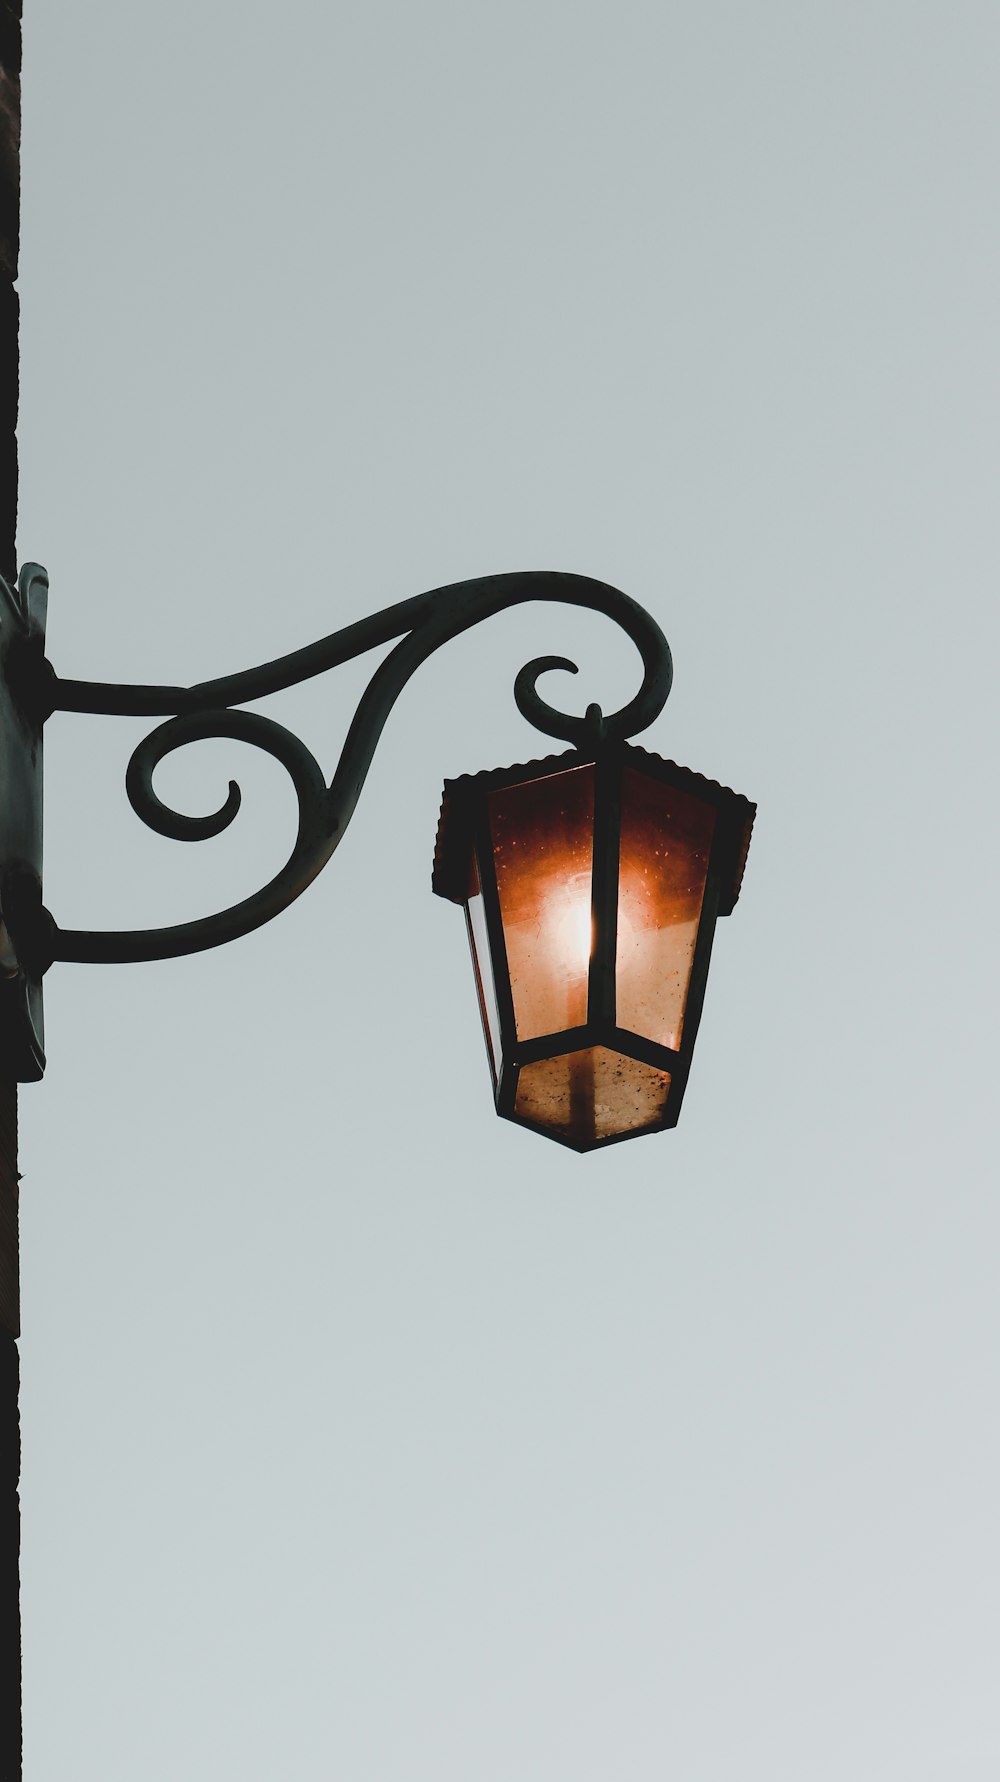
point(580, 924)
point(568, 926)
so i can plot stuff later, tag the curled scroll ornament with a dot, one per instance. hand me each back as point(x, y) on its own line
point(422, 624)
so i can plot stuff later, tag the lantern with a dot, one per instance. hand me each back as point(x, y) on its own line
point(591, 883)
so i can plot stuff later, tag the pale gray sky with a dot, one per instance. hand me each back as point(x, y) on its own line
point(365, 1436)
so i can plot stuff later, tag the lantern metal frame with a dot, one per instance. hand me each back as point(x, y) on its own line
point(31, 691)
point(464, 835)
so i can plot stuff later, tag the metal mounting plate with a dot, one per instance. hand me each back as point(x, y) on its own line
point(22, 645)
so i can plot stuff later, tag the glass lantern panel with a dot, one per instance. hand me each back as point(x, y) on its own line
point(543, 835)
point(479, 943)
point(591, 1095)
point(666, 839)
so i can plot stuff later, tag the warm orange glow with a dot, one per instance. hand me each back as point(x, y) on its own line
point(566, 929)
point(542, 835)
point(563, 942)
point(666, 838)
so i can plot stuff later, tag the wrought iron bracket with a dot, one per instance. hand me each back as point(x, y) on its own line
point(30, 690)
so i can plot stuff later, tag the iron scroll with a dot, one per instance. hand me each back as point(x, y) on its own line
point(421, 624)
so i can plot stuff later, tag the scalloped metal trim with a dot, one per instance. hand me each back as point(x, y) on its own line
point(449, 874)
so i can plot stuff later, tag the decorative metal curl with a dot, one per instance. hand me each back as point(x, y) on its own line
point(422, 624)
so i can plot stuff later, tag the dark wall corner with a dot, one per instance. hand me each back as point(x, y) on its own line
point(10, 207)
point(10, 1441)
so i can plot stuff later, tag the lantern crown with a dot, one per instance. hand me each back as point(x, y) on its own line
point(460, 795)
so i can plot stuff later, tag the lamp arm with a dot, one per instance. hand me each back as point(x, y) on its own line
point(422, 624)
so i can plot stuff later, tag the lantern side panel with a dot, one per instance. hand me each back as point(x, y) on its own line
point(666, 841)
point(475, 911)
point(542, 833)
point(592, 1095)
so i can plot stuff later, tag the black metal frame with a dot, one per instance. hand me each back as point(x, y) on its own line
point(464, 836)
point(30, 690)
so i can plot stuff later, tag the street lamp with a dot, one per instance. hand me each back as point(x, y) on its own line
point(591, 880)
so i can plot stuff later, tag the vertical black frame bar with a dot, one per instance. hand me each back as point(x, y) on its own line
point(698, 981)
point(477, 972)
point(482, 842)
point(601, 985)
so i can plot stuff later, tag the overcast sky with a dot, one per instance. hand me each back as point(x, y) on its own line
point(366, 1436)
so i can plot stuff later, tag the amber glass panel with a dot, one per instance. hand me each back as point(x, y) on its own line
point(543, 833)
point(591, 1095)
point(479, 942)
point(666, 839)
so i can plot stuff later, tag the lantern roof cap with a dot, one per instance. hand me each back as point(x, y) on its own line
point(463, 796)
